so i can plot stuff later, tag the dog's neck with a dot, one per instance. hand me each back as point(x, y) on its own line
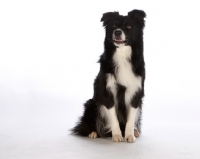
point(123, 52)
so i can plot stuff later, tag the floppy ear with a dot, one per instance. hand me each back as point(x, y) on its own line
point(138, 15)
point(108, 16)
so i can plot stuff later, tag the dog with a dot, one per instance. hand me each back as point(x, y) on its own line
point(116, 106)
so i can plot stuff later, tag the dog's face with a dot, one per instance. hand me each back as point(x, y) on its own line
point(123, 30)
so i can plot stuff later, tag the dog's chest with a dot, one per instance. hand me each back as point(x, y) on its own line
point(123, 74)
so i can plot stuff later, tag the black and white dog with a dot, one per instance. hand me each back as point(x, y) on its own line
point(116, 107)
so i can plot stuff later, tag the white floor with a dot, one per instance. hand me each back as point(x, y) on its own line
point(167, 134)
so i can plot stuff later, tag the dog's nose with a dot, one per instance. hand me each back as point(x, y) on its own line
point(118, 33)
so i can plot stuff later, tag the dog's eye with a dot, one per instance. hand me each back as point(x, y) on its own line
point(128, 26)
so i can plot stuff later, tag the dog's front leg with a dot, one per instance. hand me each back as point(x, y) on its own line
point(116, 132)
point(129, 131)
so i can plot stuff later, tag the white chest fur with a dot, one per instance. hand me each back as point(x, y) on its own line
point(124, 74)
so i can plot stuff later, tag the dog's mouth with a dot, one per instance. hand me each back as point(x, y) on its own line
point(119, 40)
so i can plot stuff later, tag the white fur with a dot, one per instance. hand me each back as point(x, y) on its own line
point(114, 122)
point(129, 131)
point(125, 77)
point(111, 84)
point(124, 73)
point(105, 114)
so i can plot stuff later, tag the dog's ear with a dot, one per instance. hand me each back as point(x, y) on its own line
point(138, 15)
point(108, 16)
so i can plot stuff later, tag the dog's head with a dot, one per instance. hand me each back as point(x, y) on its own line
point(123, 30)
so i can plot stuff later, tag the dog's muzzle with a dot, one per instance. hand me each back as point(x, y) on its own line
point(119, 37)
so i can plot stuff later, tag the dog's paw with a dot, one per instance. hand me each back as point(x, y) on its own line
point(93, 135)
point(136, 133)
point(117, 138)
point(130, 138)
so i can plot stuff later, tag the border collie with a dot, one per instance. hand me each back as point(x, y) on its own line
point(116, 106)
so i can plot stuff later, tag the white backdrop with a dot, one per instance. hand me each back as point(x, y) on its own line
point(48, 58)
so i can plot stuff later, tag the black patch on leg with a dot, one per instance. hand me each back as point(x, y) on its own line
point(121, 108)
point(102, 95)
point(137, 103)
point(137, 99)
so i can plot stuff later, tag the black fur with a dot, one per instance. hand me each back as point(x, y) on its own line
point(102, 95)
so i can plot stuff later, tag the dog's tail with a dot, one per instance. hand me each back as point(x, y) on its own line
point(87, 123)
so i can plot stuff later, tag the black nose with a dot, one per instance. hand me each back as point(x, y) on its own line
point(118, 33)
